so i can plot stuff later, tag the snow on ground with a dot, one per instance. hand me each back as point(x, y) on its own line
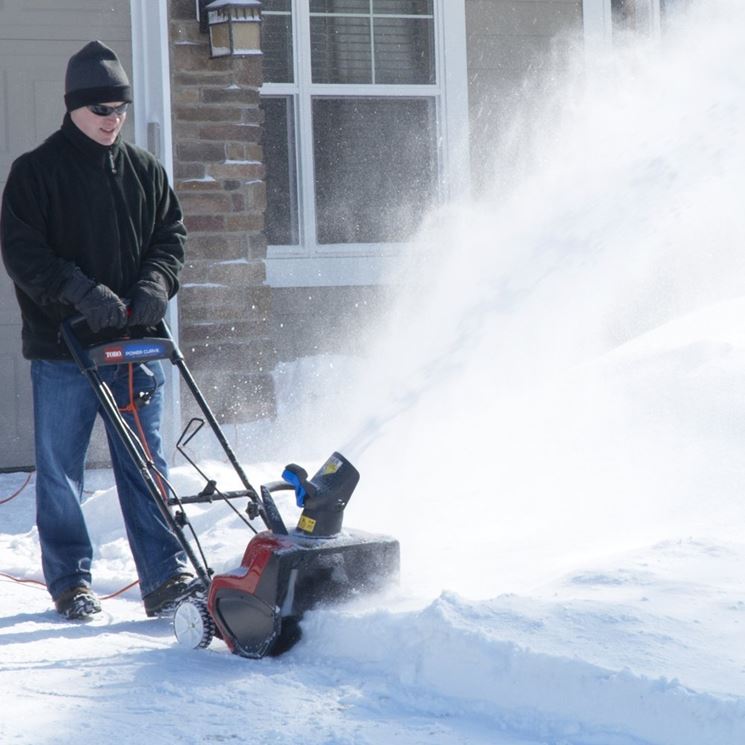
point(554, 431)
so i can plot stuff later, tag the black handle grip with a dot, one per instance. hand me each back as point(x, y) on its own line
point(74, 321)
point(273, 486)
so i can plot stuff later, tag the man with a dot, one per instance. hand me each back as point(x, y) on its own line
point(90, 225)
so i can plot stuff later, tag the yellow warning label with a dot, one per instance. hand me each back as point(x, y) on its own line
point(307, 524)
point(332, 465)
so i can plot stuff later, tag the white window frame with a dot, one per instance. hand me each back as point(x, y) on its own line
point(310, 264)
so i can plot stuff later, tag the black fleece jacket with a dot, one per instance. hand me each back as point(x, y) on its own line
point(74, 203)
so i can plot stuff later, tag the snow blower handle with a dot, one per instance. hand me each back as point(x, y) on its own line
point(120, 349)
point(137, 349)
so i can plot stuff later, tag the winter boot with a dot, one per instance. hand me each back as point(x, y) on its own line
point(163, 600)
point(77, 604)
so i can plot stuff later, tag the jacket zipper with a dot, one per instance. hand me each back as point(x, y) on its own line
point(112, 165)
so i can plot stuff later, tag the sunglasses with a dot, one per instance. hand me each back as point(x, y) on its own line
point(100, 109)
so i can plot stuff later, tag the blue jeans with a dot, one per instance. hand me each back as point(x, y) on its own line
point(65, 408)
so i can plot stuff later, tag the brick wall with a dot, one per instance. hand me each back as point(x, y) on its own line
point(218, 172)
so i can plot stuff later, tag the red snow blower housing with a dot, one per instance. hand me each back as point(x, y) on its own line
point(255, 608)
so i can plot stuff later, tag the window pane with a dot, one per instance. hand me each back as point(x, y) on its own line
point(404, 51)
point(276, 43)
point(340, 49)
point(339, 6)
point(375, 167)
point(270, 5)
point(281, 183)
point(403, 7)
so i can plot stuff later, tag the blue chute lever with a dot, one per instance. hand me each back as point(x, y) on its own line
point(297, 477)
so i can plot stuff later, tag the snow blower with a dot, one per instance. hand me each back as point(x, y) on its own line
point(257, 607)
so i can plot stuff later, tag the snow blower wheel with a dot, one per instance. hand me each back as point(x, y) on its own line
point(192, 624)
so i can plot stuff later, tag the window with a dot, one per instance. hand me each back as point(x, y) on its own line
point(354, 130)
point(281, 214)
point(372, 41)
point(276, 41)
point(375, 167)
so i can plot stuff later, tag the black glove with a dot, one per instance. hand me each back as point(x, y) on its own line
point(148, 301)
point(101, 307)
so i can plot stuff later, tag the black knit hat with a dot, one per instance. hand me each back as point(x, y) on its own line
point(95, 75)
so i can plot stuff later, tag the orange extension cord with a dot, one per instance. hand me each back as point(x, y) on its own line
point(17, 492)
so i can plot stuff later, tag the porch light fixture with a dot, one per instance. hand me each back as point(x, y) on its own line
point(234, 27)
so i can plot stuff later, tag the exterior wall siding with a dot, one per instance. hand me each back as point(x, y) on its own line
point(515, 48)
point(224, 307)
point(36, 40)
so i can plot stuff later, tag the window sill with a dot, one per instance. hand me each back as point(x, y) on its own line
point(329, 270)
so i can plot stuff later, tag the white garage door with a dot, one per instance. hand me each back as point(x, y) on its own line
point(37, 37)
